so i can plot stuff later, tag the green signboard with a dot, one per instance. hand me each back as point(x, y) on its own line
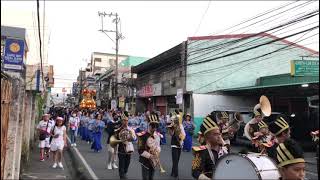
point(304, 68)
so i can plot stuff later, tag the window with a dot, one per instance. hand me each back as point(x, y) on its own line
point(97, 59)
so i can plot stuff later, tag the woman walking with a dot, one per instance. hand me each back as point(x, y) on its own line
point(90, 128)
point(98, 128)
point(188, 128)
point(85, 122)
point(73, 126)
point(59, 141)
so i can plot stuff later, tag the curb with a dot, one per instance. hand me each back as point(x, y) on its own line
point(78, 169)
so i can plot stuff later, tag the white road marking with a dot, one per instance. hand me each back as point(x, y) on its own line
point(93, 175)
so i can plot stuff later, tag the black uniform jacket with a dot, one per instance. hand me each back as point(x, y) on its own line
point(202, 163)
point(142, 146)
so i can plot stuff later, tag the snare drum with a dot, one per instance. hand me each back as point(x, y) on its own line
point(249, 166)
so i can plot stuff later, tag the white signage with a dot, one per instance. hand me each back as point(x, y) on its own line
point(179, 97)
point(156, 89)
point(113, 104)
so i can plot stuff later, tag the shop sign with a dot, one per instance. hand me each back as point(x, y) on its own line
point(113, 104)
point(150, 90)
point(156, 89)
point(122, 102)
point(304, 68)
point(13, 54)
point(179, 97)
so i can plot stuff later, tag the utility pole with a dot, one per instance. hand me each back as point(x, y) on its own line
point(118, 37)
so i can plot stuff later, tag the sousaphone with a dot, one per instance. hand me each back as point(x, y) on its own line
point(265, 106)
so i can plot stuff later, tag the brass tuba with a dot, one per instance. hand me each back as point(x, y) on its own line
point(123, 134)
point(236, 121)
point(175, 125)
point(264, 105)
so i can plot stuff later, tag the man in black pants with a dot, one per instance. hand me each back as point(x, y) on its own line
point(125, 148)
point(176, 145)
point(149, 148)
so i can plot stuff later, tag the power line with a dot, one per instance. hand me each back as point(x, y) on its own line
point(254, 47)
point(203, 15)
point(292, 22)
point(255, 17)
point(272, 52)
point(233, 71)
point(250, 42)
point(274, 17)
point(175, 67)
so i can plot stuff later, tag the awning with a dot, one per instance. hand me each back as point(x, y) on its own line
point(279, 81)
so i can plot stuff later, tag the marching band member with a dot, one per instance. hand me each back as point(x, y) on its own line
point(205, 157)
point(223, 123)
point(281, 131)
point(112, 124)
point(125, 148)
point(149, 148)
point(251, 129)
point(263, 140)
point(290, 160)
point(177, 136)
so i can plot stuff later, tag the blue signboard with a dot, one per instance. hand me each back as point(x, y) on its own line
point(14, 54)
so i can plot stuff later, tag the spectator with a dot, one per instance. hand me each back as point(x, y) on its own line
point(73, 125)
point(163, 130)
point(44, 127)
point(188, 128)
point(58, 142)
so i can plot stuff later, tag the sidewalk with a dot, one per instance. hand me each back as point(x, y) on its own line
point(43, 170)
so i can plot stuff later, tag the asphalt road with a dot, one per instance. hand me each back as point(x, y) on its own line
point(97, 162)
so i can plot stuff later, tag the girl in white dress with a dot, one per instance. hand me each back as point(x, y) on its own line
point(59, 141)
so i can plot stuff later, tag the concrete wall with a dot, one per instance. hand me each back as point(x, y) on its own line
point(13, 154)
point(239, 70)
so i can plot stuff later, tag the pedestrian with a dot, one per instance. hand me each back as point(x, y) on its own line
point(205, 157)
point(163, 130)
point(44, 128)
point(125, 149)
point(98, 128)
point(90, 128)
point(85, 122)
point(149, 148)
point(80, 127)
point(73, 125)
point(188, 128)
point(290, 160)
point(59, 141)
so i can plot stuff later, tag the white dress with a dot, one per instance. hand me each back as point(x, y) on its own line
point(58, 143)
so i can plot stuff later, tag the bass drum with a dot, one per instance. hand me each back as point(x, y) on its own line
point(249, 166)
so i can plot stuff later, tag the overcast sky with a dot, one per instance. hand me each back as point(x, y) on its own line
point(149, 28)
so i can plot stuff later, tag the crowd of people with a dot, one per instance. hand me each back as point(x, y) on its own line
point(149, 130)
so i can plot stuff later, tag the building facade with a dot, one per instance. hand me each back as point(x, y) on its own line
point(230, 73)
